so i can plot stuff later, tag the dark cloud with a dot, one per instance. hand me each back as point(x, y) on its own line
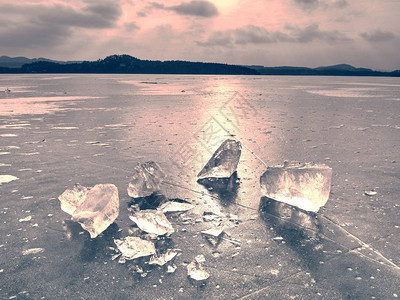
point(51, 25)
point(378, 36)
point(33, 36)
point(314, 4)
point(132, 26)
point(260, 35)
point(312, 32)
point(92, 16)
point(193, 8)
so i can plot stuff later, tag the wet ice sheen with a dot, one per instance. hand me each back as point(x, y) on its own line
point(145, 179)
point(223, 162)
point(95, 209)
point(305, 186)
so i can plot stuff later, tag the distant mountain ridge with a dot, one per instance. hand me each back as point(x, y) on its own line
point(334, 70)
point(19, 61)
point(126, 64)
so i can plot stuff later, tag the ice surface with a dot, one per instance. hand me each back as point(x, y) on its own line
point(134, 247)
point(153, 222)
point(224, 161)
point(305, 186)
point(145, 179)
point(195, 269)
point(71, 199)
point(95, 209)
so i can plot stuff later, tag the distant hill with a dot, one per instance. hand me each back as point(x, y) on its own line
point(126, 64)
point(17, 62)
point(335, 70)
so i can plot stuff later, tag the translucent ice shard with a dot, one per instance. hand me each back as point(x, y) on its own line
point(195, 269)
point(134, 247)
point(71, 199)
point(145, 179)
point(224, 161)
point(305, 186)
point(175, 206)
point(153, 222)
point(163, 258)
point(213, 236)
point(94, 209)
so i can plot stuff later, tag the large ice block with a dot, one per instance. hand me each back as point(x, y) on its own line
point(305, 186)
point(224, 161)
point(98, 210)
point(145, 179)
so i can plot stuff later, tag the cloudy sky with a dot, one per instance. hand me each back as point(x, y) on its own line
point(263, 32)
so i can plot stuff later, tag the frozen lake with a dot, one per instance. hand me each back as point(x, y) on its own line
point(57, 130)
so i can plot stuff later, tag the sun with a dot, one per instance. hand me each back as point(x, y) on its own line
point(225, 6)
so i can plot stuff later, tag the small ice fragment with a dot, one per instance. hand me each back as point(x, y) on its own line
point(174, 206)
point(171, 269)
point(306, 186)
point(223, 162)
point(153, 222)
point(134, 247)
point(195, 269)
point(7, 178)
point(145, 179)
point(26, 219)
point(213, 236)
point(370, 193)
point(33, 251)
point(164, 258)
point(115, 256)
point(99, 209)
point(71, 199)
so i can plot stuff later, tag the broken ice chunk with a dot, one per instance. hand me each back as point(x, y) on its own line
point(370, 193)
point(7, 178)
point(71, 199)
point(171, 269)
point(145, 179)
point(175, 206)
point(32, 251)
point(134, 247)
point(224, 161)
point(153, 222)
point(213, 236)
point(99, 209)
point(164, 258)
point(305, 186)
point(195, 269)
